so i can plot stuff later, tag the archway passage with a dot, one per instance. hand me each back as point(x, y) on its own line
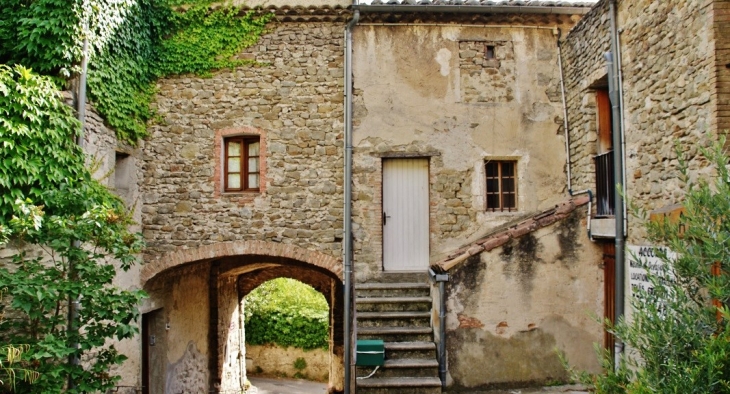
point(199, 304)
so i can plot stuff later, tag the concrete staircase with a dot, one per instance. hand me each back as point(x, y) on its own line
point(399, 313)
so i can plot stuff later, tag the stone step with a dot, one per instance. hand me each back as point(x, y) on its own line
point(384, 304)
point(399, 277)
point(396, 334)
point(394, 319)
point(392, 289)
point(417, 349)
point(405, 367)
point(424, 385)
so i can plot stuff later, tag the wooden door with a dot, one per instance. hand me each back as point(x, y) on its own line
point(405, 215)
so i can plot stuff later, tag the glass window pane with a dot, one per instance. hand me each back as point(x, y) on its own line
point(509, 200)
point(234, 164)
point(493, 201)
point(492, 185)
point(234, 181)
point(253, 181)
point(234, 148)
point(492, 169)
point(508, 185)
point(253, 164)
point(508, 169)
point(253, 148)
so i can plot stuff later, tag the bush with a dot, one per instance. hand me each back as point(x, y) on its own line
point(678, 338)
point(287, 312)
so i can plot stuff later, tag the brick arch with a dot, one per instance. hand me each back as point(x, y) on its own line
point(237, 248)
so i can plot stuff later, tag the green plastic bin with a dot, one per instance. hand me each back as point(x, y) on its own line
point(370, 352)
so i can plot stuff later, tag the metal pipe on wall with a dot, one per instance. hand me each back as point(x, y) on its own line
point(347, 246)
point(615, 95)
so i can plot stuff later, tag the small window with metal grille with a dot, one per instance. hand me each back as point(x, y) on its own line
point(501, 177)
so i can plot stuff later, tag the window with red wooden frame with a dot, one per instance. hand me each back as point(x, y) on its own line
point(501, 186)
point(242, 164)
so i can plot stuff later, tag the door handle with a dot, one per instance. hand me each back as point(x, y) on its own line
point(385, 218)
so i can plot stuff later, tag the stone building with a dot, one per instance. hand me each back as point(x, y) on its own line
point(671, 66)
point(471, 254)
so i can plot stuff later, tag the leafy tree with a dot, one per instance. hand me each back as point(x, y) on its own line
point(68, 247)
point(287, 312)
point(678, 337)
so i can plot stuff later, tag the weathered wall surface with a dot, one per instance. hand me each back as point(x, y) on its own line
point(668, 66)
point(114, 167)
point(272, 360)
point(429, 91)
point(183, 295)
point(510, 309)
point(294, 102)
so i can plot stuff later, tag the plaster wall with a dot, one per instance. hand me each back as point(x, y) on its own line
point(511, 310)
point(184, 297)
point(429, 91)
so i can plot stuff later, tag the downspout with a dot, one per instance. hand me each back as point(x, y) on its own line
point(75, 304)
point(618, 167)
point(567, 141)
point(81, 95)
point(348, 198)
point(441, 279)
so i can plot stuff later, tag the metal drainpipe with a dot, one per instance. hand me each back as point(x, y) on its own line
point(348, 198)
point(567, 143)
point(618, 167)
point(441, 279)
point(75, 304)
point(81, 96)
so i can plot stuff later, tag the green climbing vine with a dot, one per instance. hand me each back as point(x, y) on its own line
point(132, 44)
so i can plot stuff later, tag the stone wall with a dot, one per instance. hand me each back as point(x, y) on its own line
point(430, 91)
point(277, 361)
point(669, 94)
point(293, 100)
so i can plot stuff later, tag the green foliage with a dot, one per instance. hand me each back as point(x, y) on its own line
point(679, 340)
point(205, 40)
point(10, 372)
point(132, 44)
point(40, 34)
point(300, 363)
point(37, 131)
point(82, 230)
point(287, 312)
point(40, 287)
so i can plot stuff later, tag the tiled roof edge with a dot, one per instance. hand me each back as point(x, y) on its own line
point(502, 236)
point(476, 6)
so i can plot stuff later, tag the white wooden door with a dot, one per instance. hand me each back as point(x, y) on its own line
point(405, 215)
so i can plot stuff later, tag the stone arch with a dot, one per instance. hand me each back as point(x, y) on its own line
point(219, 250)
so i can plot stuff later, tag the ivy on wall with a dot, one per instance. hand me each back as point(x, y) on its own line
point(132, 44)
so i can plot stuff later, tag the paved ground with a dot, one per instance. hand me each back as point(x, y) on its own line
point(571, 389)
point(285, 386)
point(290, 386)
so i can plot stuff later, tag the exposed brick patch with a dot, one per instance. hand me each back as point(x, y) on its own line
point(469, 322)
point(225, 249)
